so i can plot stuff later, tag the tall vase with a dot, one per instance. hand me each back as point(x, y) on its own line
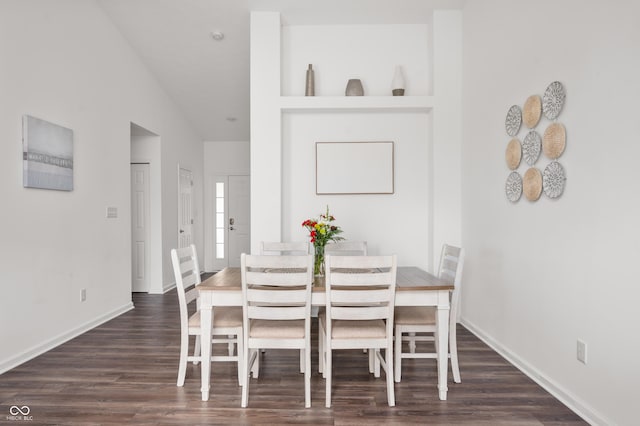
point(318, 265)
point(310, 89)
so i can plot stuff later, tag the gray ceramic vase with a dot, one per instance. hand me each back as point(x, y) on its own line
point(354, 88)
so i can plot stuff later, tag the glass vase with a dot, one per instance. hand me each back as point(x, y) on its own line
point(318, 266)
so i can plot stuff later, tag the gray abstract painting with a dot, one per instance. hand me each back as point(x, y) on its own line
point(47, 154)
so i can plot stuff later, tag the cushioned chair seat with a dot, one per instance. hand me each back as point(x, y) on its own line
point(270, 329)
point(347, 329)
point(424, 315)
point(222, 317)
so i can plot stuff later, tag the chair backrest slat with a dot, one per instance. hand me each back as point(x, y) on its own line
point(450, 270)
point(288, 248)
point(276, 287)
point(360, 288)
point(186, 272)
point(346, 248)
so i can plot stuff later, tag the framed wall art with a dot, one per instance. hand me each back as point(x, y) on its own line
point(47, 155)
point(354, 168)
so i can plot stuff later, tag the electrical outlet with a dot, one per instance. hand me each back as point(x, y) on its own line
point(83, 294)
point(581, 352)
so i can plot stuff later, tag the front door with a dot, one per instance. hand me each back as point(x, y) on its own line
point(239, 229)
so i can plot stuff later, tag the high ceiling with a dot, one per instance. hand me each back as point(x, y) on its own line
point(209, 79)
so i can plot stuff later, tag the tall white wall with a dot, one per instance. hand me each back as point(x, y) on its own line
point(283, 146)
point(541, 275)
point(65, 62)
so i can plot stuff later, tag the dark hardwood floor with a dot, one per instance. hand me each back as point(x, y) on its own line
point(124, 372)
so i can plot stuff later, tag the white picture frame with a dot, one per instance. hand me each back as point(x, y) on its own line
point(354, 168)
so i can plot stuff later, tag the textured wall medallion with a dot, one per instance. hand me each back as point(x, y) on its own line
point(553, 180)
point(513, 154)
point(513, 120)
point(532, 111)
point(553, 100)
point(513, 187)
point(532, 184)
point(531, 147)
point(554, 140)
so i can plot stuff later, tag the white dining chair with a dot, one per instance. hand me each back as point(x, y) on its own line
point(285, 248)
point(276, 306)
point(420, 321)
point(227, 321)
point(346, 248)
point(291, 248)
point(360, 295)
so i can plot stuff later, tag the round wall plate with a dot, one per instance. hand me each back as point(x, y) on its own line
point(553, 100)
point(531, 147)
point(513, 187)
point(532, 111)
point(553, 180)
point(532, 184)
point(513, 154)
point(554, 140)
point(513, 121)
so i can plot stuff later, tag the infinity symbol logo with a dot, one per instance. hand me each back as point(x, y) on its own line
point(15, 410)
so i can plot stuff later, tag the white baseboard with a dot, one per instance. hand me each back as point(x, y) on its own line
point(567, 398)
point(168, 288)
point(61, 338)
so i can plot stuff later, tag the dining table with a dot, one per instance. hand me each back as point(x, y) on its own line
point(414, 287)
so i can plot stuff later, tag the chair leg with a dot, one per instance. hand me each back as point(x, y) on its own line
point(255, 370)
point(302, 361)
point(321, 351)
point(453, 345)
point(245, 377)
point(240, 356)
point(327, 372)
point(412, 342)
point(230, 345)
point(182, 366)
point(372, 353)
point(398, 355)
point(196, 350)
point(307, 378)
point(376, 362)
point(391, 398)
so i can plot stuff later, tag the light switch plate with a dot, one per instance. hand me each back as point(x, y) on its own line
point(112, 212)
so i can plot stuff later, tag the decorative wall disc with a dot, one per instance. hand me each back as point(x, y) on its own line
point(531, 147)
point(554, 140)
point(532, 111)
point(553, 180)
point(513, 154)
point(553, 100)
point(514, 120)
point(513, 187)
point(532, 185)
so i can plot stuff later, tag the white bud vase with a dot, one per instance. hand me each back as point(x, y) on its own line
point(397, 85)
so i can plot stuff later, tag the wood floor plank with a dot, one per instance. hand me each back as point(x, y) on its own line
point(124, 372)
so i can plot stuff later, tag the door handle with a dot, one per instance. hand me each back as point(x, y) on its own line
point(231, 228)
point(182, 231)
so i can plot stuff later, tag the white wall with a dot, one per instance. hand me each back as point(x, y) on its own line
point(66, 63)
point(220, 159)
point(401, 222)
point(541, 275)
point(390, 223)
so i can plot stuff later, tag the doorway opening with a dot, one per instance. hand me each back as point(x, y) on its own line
point(146, 225)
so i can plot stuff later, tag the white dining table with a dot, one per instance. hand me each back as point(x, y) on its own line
point(414, 287)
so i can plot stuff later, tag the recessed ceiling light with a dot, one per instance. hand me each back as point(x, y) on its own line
point(217, 35)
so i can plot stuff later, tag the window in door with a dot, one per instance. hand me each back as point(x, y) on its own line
point(220, 221)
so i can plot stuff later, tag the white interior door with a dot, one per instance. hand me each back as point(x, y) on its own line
point(140, 214)
point(238, 218)
point(185, 209)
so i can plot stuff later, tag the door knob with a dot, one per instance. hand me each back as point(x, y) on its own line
point(231, 228)
point(182, 231)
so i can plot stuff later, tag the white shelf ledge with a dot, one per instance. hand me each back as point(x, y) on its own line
point(356, 103)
